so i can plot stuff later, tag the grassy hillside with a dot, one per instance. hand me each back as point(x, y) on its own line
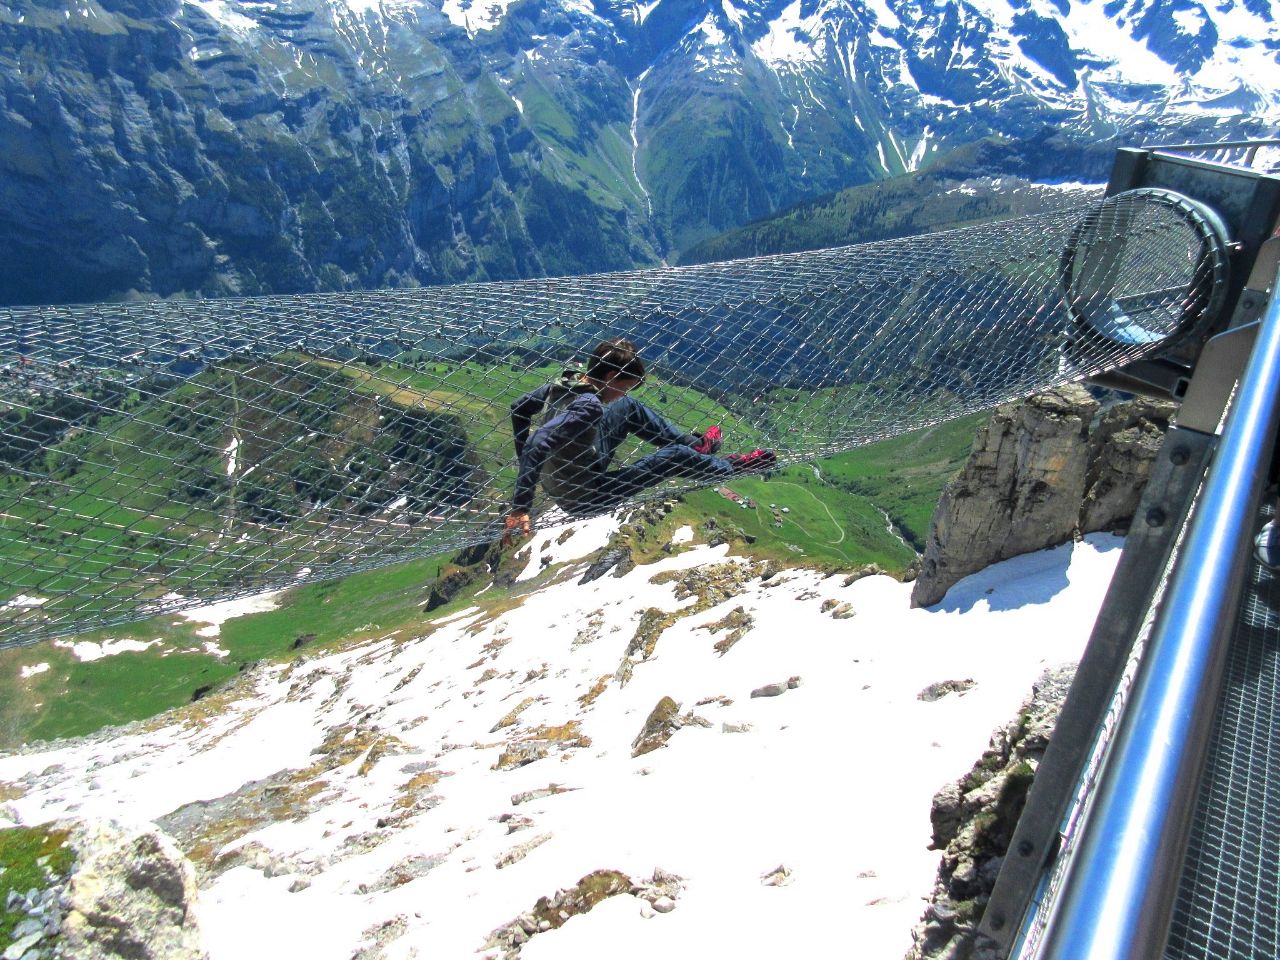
point(837, 516)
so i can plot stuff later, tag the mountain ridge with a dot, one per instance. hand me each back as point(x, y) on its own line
point(161, 148)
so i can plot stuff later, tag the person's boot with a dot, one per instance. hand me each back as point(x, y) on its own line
point(708, 440)
point(1266, 545)
point(757, 461)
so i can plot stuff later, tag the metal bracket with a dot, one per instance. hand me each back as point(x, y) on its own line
point(1265, 267)
point(1223, 358)
point(1220, 366)
point(1158, 377)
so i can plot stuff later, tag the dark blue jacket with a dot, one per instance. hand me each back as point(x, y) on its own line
point(564, 450)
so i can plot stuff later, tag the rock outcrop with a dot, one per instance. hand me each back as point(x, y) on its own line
point(132, 894)
point(1041, 472)
point(483, 562)
point(1123, 445)
point(973, 822)
point(658, 894)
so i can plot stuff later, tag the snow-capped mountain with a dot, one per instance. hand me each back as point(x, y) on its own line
point(219, 146)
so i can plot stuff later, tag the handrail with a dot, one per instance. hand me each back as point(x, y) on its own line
point(1118, 891)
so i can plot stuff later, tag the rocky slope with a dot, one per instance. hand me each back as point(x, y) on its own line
point(1041, 472)
point(698, 754)
point(246, 146)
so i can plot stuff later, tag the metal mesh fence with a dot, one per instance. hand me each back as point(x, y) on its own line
point(158, 455)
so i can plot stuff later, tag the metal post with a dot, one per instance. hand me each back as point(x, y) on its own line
point(1118, 892)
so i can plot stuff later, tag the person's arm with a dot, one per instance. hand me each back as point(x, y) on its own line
point(582, 414)
point(522, 413)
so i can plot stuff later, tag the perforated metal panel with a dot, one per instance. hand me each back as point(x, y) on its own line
point(1229, 900)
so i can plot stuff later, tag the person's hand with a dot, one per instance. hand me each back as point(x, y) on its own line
point(517, 524)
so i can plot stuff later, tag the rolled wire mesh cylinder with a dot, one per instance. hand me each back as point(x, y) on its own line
point(162, 454)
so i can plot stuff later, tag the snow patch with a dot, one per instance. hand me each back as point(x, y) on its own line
point(784, 43)
point(375, 7)
point(640, 11)
point(87, 651)
point(216, 614)
point(884, 14)
point(683, 535)
point(714, 51)
point(232, 447)
point(581, 7)
point(22, 601)
point(27, 673)
point(1072, 186)
point(918, 153)
point(580, 539)
point(222, 12)
point(1191, 21)
point(475, 15)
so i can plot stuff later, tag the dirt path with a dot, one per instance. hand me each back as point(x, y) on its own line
point(834, 521)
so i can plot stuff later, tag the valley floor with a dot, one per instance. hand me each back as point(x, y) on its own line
point(413, 796)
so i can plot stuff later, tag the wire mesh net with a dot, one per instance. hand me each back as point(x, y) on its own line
point(159, 455)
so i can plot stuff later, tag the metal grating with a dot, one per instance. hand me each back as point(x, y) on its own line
point(1228, 904)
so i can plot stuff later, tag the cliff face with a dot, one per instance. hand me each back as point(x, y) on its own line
point(153, 147)
point(973, 822)
point(1041, 472)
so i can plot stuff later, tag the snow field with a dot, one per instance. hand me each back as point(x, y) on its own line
point(832, 779)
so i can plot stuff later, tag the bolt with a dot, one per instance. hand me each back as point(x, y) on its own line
point(1180, 455)
point(1155, 517)
point(997, 922)
point(1026, 848)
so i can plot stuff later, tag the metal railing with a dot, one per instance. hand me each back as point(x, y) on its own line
point(1118, 888)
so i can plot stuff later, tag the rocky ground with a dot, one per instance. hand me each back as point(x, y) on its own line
point(973, 822)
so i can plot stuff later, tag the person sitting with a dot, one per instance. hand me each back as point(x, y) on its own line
point(586, 418)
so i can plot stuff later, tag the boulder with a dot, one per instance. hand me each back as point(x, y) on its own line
point(617, 560)
point(132, 894)
point(662, 722)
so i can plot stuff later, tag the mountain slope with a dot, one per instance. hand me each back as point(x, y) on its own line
point(957, 190)
point(226, 146)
